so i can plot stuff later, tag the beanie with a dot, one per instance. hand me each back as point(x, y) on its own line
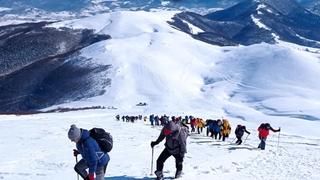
point(74, 133)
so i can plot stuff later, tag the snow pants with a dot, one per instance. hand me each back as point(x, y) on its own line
point(215, 135)
point(193, 128)
point(81, 167)
point(239, 140)
point(262, 144)
point(164, 156)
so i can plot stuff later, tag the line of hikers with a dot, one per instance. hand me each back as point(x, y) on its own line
point(95, 144)
point(129, 118)
point(217, 129)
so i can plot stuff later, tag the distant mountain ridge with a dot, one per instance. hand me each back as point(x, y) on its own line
point(254, 21)
point(58, 9)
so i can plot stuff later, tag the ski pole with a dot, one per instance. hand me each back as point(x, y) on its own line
point(152, 161)
point(246, 138)
point(77, 163)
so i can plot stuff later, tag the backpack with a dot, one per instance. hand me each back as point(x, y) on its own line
point(264, 129)
point(239, 131)
point(103, 138)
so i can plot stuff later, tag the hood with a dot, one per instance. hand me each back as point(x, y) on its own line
point(84, 135)
point(173, 128)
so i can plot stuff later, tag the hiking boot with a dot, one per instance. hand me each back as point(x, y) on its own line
point(159, 175)
point(178, 174)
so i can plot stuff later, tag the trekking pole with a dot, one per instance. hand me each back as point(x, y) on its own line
point(152, 161)
point(233, 139)
point(246, 138)
point(77, 163)
point(278, 141)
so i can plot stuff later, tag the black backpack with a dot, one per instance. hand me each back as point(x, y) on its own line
point(239, 130)
point(103, 138)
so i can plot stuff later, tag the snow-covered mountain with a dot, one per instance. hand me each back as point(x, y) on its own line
point(62, 9)
point(254, 21)
point(140, 62)
point(40, 66)
point(146, 60)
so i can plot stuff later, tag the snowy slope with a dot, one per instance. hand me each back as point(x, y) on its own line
point(172, 72)
point(36, 147)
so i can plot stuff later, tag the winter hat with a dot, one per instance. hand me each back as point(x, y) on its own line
point(74, 133)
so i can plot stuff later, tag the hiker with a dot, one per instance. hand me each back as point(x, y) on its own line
point(215, 128)
point(173, 118)
point(133, 118)
point(164, 120)
point(225, 129)
point(240, 130)
point(199, 124)
point(186, 120)
point(156, 120)
point(263, 134)
point(209, 123)
point(92, 156)
point(175, 145)
point(193, 124)
point(151, 119)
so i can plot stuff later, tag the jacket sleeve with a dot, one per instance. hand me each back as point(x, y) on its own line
point(184, 125)
point(274, 129)
point(91, 157)
point(161, 137)
point(245, 129)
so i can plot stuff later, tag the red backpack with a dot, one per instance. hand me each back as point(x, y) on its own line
point(263, 131)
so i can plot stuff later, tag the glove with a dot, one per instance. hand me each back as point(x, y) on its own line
point(75, 152)
point(91, 176)
point(279, 129)
point(153, 143)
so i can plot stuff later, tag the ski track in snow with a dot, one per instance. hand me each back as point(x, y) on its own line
point(37, 147)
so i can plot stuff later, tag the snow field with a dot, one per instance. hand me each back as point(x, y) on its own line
point(37, 147)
